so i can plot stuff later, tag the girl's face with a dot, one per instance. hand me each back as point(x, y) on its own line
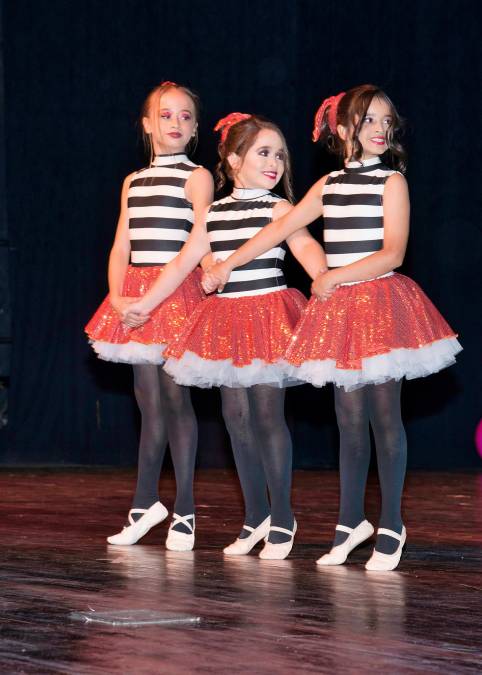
point(374, 129)
point(264, 163)
point(174, 124)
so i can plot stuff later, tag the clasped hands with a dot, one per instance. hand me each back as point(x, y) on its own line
point(323, 286)
point(216, 277)
point(130, 311)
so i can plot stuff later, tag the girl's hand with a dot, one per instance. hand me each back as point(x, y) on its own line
point(323, 286)
point(120, 303)
point(134, 315)
point(216, 277)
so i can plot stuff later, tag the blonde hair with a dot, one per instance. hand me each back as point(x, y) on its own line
point(152, 103)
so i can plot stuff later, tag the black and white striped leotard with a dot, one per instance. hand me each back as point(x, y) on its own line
point(160, 216)
point(353, 211)
point(230, 223)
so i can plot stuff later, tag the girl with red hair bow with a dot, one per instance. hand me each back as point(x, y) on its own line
point(236, 338)
point(366, 327)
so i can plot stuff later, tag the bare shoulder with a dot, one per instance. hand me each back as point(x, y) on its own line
point(322, 181)
point(281, 208)
point(396, 191)
point(126, 185)
point(396, 181)
point(128, 179)
point(199, 185)
point(317, 188)
point(200, 176)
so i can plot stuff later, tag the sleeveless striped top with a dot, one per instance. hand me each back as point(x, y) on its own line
point(353, 211)
point(230, 223)
point(160, 216)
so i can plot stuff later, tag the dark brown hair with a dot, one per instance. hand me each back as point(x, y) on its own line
point(351, 112)
point(151, 104)
point(239, 139)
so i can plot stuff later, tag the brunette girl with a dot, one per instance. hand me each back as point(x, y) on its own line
point(366, 327)
point(235, 339)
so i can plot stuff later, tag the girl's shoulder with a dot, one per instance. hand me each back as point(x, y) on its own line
point(221, 202)
point(129, 177)
point(396, 180)
point(192, 165)
point(334, 174)
point(281, 207)
point(276, 198)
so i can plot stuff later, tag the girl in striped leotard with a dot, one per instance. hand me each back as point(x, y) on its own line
point(365, 328)
point(158, 207)
point(236, 338)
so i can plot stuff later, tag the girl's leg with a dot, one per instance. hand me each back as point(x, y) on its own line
point(181, 424)
point(353, 424)
point(153, 441)
point(236, 414)
point(275, 447)
point(391, 445)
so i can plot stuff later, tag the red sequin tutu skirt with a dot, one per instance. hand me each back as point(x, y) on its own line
point(236, 342)
point(369, 333)
point(113, 341)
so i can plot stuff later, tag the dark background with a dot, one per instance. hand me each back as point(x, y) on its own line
point(74, 77)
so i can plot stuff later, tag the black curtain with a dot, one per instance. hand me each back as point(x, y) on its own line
point(76, 74)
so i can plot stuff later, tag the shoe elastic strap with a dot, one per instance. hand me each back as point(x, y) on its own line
point(248, 527)
point(281, 529)
point(389, 533)
point(178, 520)
point(344, 528)
point(131, 519)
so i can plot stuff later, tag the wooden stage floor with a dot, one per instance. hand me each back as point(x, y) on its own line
point(255, 616)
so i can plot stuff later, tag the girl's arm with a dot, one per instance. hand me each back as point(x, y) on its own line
point(207, 261)
point(396, 216)
point(304, 213)
point(199, 191)
point(307, 251)
point(120, 254)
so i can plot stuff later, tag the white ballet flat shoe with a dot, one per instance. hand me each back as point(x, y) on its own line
point(278, 551)
point(181, 541)
point(356, 535)
point(138, 528)
point(386, 562)
point(244, 546)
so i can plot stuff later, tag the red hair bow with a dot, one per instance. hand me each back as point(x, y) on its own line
point(168, 82)
point(225, 124)
point(332, 103)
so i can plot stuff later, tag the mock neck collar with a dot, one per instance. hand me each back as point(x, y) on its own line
point(172, 158)
point(362, 165)
point(249, 193)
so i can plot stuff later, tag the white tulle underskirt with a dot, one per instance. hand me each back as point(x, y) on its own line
point(398, 363)
point(193, 370)
point(130, 352)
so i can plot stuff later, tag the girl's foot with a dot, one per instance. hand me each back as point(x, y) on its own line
point(140, 526)
point(279, 551)
point(356, 536)
point(385, 562)
point(243, 546)
point(181, 541)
